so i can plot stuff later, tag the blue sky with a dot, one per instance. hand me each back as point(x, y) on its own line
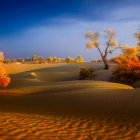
point(57, 27)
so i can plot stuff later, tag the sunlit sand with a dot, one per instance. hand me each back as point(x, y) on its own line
point(48, 101)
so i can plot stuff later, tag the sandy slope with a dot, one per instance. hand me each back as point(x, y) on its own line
point(49, 102)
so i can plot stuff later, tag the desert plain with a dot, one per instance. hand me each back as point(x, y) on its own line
point(49, 101)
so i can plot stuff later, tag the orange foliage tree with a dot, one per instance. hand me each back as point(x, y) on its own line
point(111, 44)
point(4, 78)
point(128, 70)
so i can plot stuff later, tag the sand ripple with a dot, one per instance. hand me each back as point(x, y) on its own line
point(53, 127)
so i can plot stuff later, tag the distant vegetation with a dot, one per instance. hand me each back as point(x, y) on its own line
point(41, 60)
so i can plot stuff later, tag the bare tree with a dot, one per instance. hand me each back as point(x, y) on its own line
point(111, 43)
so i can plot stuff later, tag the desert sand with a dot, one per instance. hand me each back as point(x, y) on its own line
point(48, 101)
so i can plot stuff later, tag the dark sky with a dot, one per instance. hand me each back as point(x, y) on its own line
point(57, 27)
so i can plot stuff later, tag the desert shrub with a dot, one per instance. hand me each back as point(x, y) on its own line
point(128, 69)
point(128, 72)
point(87, 72)
point(4, 78)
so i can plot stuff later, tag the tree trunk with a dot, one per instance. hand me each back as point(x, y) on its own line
point(106, 64)
point(104, 59)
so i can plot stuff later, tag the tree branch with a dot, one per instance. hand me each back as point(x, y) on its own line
point(111, 51)
point(106, 50)
point(100, 51)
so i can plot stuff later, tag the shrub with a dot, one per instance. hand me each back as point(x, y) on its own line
point(128, 72)
point(128, 69)
point(4, 78)
point(87, 72)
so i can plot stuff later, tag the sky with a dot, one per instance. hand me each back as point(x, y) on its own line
point(58, 27)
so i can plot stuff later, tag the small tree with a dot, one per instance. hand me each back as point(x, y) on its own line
point(59, 60)
point(111, 43)
point(68, 60)
point(54, 59)
point(33, 57)
point(1, 57)
point(80, 58)
point(20, 60)
point(62, 60)
point(49, 59)
point(137, 35)
point(39, 58)
point(27, 59)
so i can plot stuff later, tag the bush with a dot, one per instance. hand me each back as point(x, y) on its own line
point(87, 72)
point(4, 78)
point(128, 69)
point(128, 72)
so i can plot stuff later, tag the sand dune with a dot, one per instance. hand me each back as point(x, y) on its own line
point(49, 102)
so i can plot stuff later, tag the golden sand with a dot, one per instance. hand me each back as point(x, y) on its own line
point(49, 102)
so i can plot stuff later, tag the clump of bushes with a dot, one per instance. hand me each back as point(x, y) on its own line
point(87, 72)
point(128, 69)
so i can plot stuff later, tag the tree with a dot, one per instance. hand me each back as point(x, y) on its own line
point(27, 59)
point(68, 59)
point(58, 59)
point(129, 53)
point(1, 57)
point(20, 60)
point(137, 35)
point(111, 44)
point(54, 59)
point(33, 57)
point(62, 60)
point(80, 58)
point(49, 59)
point(39, 58)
